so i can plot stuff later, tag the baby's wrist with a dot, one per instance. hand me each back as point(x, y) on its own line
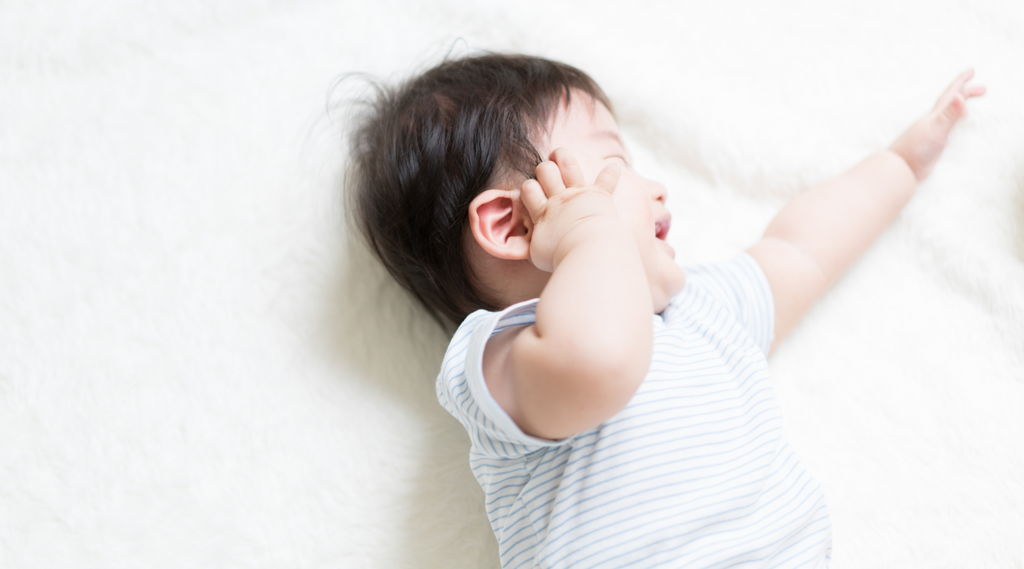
point(596, 231)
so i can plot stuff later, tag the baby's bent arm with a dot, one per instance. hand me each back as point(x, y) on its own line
point(590, 346)
point(813, 240)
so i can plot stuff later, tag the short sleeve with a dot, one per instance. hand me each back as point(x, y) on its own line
point(741, 285)
point(462, 391)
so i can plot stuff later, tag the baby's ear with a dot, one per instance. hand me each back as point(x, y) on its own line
point(500, 225)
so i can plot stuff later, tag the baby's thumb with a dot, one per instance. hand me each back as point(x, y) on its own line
point(609, 177)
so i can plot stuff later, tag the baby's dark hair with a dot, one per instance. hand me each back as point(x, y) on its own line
point(426, 148)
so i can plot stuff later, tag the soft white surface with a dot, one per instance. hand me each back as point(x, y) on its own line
point(196, 370)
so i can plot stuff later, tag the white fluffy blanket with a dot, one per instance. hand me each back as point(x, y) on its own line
point(197, 369)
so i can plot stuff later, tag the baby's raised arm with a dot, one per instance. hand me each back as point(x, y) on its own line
point(818, 235)
point(576, 365)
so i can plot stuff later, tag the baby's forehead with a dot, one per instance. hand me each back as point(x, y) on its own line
point(585, 114)
point(584, 123)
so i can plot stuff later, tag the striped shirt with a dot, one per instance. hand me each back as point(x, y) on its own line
point(692, 472)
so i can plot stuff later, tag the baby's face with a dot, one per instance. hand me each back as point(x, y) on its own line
point(589, 130)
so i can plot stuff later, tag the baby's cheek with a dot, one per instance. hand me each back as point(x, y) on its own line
point(637, 216)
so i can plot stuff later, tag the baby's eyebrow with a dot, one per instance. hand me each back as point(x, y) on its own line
point(611, 134)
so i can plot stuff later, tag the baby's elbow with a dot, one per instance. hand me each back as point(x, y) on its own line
point(568, 387)
point(605, 378)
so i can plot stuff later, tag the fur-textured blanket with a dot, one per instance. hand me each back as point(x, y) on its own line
point(199, 369)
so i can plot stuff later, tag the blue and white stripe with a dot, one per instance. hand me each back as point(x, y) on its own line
point(693, 472)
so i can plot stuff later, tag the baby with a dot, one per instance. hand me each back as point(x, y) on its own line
point(618, 404)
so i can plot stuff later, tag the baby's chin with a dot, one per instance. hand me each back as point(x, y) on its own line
point(672, 282)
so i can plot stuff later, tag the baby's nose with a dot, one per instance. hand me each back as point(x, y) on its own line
point(658, 191)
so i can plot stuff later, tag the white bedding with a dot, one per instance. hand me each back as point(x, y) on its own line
point(198, 370)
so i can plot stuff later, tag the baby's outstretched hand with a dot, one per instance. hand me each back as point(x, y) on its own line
point(922, 143)
point(560, 205)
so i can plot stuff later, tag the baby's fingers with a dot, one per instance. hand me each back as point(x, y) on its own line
point(975, 91)
point(955, 88)
point(550, 178)
point(572, 174)
point(533, 198)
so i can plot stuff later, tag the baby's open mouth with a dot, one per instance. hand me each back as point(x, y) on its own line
point(661, 227)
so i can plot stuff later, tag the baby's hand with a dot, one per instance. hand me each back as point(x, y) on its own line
point(923, 142)
point(561, 205)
